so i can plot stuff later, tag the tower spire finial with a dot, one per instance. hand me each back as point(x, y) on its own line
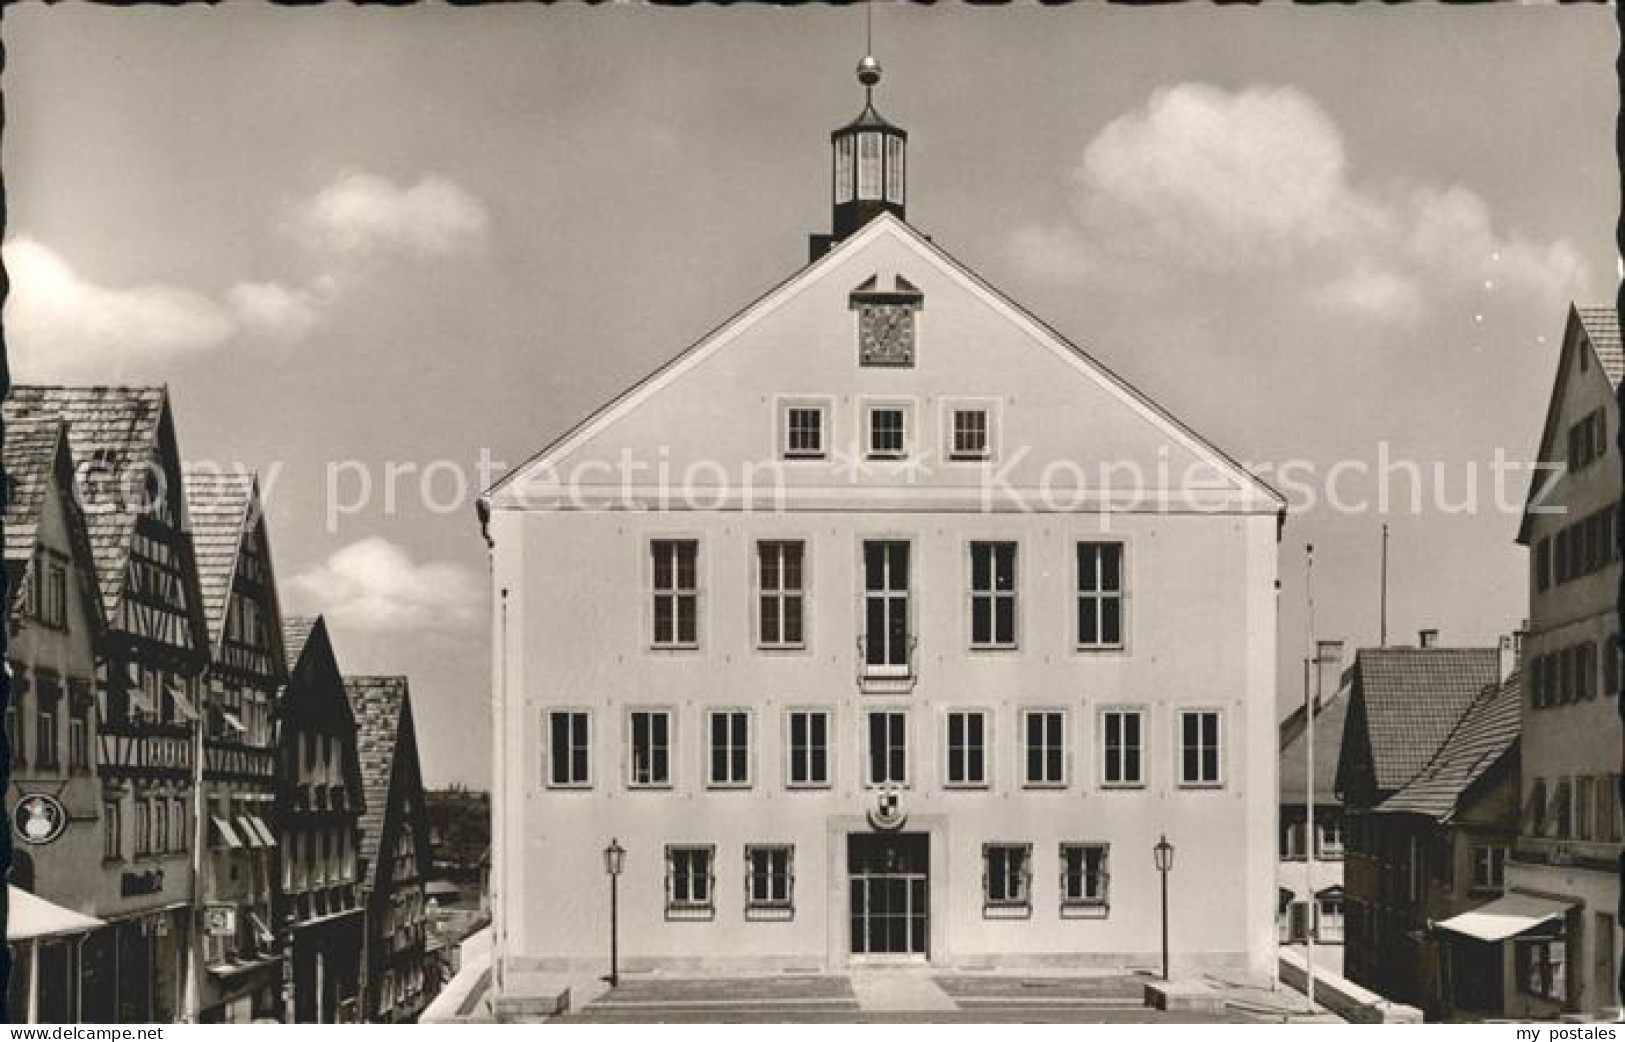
point(869, 68)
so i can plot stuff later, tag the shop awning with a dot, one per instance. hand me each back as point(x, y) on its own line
point(1506, 917)
point(30, 917)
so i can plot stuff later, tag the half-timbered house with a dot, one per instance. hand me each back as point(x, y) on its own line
point(55, 618)
point(395, 851)
point(239, 952)
point(318, 812)
point(147, 685)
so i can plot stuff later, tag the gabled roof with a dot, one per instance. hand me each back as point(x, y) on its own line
point(1293, 776)
point(384, 739)
point(296, 631)
point(109, 429)
point(218, 505)
point(36, 450)
point(890, 224)
point(1599, 328)
point(30, 454)
point(1410, 699)
point(1486, 733)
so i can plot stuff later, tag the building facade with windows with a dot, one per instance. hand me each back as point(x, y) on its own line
point(318, 814)
point(394, 858)
point(1311, 889)
point(237, 858)
point(56, 627)
point(147, 686)
point(834, 625)
point(1568, 851)
point(1441, 845)
point(1404, 702)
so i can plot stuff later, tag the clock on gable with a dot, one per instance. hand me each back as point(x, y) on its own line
point(886, 322)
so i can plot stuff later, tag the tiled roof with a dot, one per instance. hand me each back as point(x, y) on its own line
point(379, 704)
point(296, 630)
point(30, 453)
point(109, 429)
point(1294, 774)
point(1490, 727)
point(1602, 329)
point(217, 505)
point(1413, 698)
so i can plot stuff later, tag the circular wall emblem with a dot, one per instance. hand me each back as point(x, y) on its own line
point(39, 818)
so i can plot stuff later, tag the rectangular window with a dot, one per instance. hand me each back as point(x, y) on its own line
point(651, 749)
point(780, 594)
point(1609, 823)
point(177, 825)
point(1542, 970)
point(1044, 735)
point(1007, 875)
point(1329, 918)
point(676, 593)
point(112, 831)
point(1489, 868)
point(993, 595)
point(688, 878)
point(1199, 747)
point(967, 748)
point(888, 748)
point(143, 827)
point(1123, 747)
point(730, 747)
point(1331, 839)
point(888, 432)
point(14, 734)
point(569, 739)
point(1583, 813)
point(1100, 595)
point(1083, 874)
point(804, 432)
point(46, 738)
point(809, 748)
point(54, 603)
point(78, 741)
point(970, 435)
point(770, 881)
point(1543, 565)
point(886, 638)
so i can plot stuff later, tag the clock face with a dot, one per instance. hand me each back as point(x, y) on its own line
point(886, 335)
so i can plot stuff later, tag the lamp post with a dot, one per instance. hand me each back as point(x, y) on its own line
point(614, 861)
point(1163, 852)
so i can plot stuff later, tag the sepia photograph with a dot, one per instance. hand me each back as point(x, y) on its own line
point(871, 513)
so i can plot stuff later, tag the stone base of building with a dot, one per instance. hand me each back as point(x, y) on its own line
point(1231, 966)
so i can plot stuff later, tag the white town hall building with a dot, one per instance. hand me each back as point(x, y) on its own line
point(882, 625)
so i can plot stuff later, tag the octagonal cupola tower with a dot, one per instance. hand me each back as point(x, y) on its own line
point(869, 163)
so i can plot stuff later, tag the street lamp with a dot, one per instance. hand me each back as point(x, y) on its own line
point(614, 861)
point(1163, 853)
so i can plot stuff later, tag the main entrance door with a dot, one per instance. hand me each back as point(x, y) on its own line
point(890, 881)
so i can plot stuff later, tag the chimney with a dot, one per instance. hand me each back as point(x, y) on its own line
point(1328, 669)
point(1512, 650)
point(1428, 638)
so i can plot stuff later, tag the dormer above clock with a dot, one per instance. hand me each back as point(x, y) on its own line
point(886, 322)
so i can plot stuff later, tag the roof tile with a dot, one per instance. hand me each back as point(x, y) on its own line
point(1488, 729)
point(1413, 699)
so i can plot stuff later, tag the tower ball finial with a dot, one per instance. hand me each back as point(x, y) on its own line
point(868, 71)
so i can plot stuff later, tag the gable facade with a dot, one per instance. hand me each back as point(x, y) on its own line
point(816, 617)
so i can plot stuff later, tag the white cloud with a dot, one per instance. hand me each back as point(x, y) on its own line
point(361, 214)
point(274, 310)
point(373, 586)
point(63, 326)
point(1255, 184)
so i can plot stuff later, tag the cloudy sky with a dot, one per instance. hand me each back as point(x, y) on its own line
point(364, 243)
